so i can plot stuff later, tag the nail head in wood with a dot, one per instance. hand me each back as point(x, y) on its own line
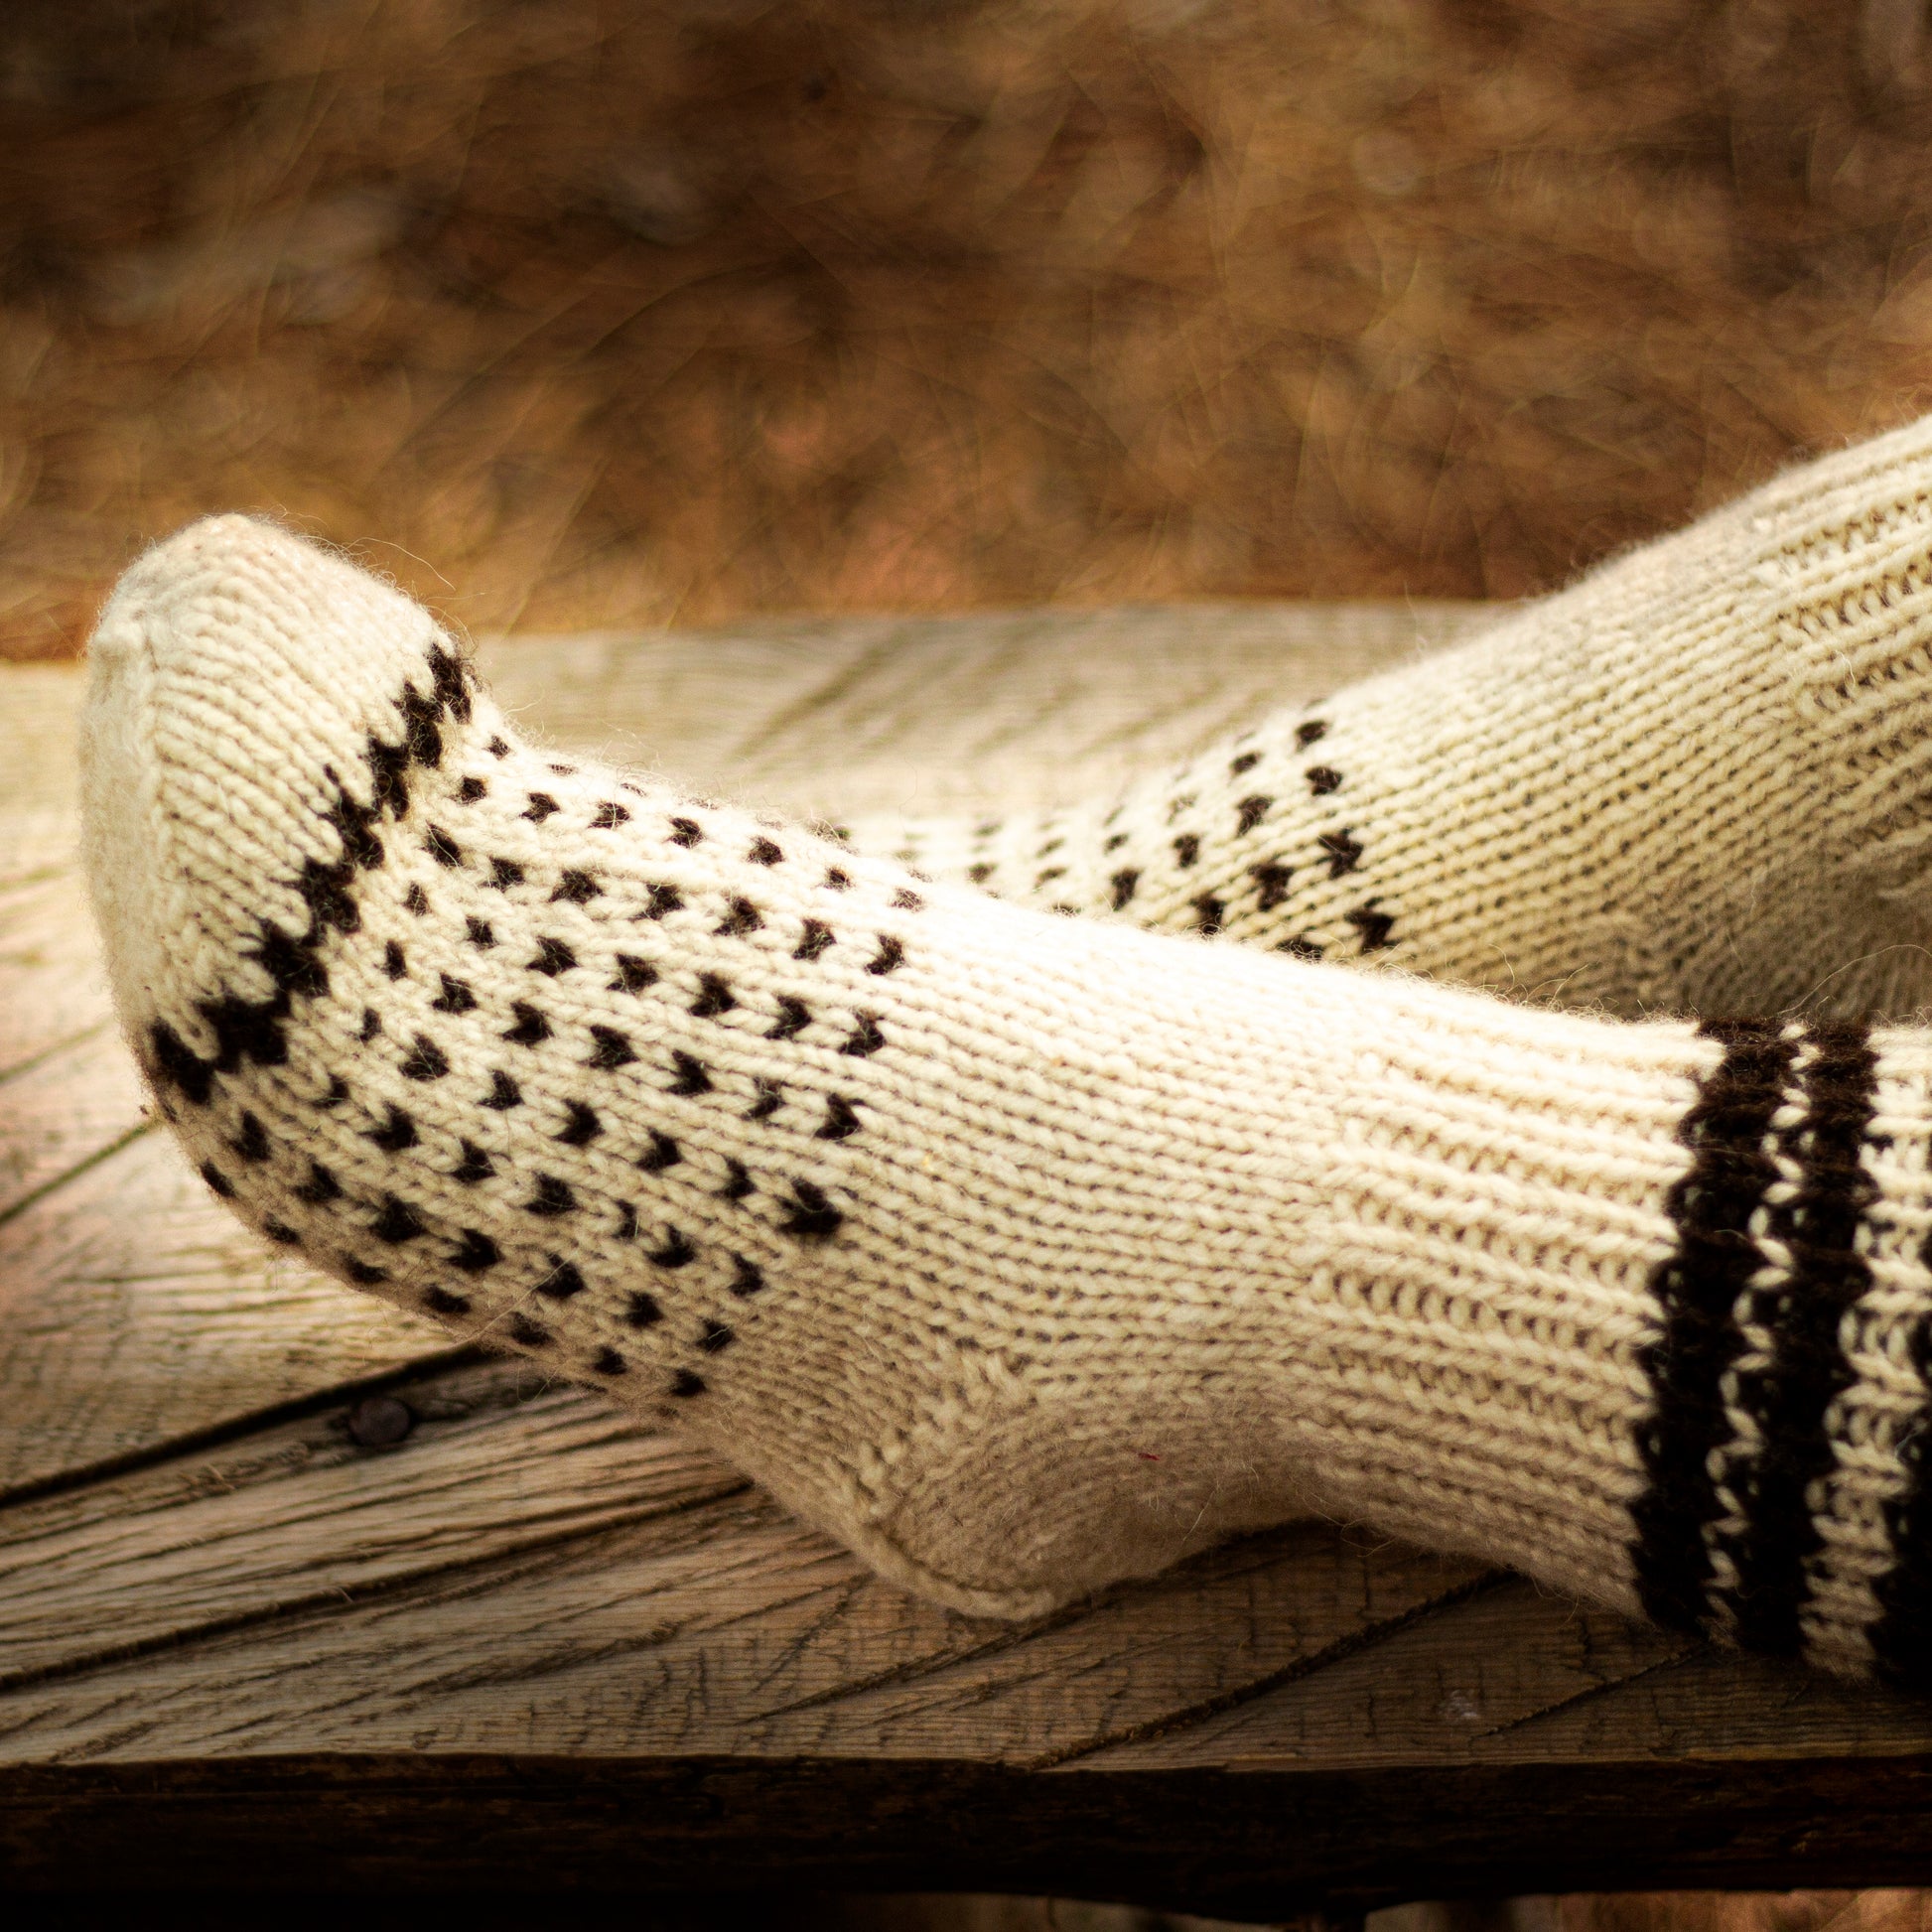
point(380, 1422)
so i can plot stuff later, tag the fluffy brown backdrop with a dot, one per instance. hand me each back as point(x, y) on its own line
point(613, 313)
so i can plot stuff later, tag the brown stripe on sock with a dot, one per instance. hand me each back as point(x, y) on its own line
point(1901, 1638)
point(1790, 1398)
point(1697, 1288)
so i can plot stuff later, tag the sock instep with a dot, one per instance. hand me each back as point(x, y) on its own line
point(1020, 1253)
point(1701, 779)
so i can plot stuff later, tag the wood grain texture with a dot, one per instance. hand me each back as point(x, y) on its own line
point(136, 1313)
point(67, 1106)
point(52, 989)
point(849, 716)
point(533, 1644)
point(718, 1626)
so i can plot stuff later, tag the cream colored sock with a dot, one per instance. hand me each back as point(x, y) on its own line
point(1022, 1253)
point(1701, 779)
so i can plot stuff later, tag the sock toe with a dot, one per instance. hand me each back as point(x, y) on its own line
point(237, 679)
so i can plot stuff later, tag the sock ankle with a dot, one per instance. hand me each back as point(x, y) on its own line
point(1698, 780)
point(1023, 1254)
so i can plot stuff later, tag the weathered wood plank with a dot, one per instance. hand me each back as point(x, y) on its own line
point(37, 764)
point(1714, 1708)
point(729, 1628)
point(135, 1311)
point(510, 1580)
point(852, 716)
point(299, 1516)
point(1128, 1666)
point(726, 1628)
point(63, 1108)
point(1461, 1685)
point(51, 985)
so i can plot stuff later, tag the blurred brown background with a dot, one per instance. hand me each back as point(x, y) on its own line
point(584, 314)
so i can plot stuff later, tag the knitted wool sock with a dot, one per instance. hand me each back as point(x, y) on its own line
point(1698, 780)
point(1020, 1253)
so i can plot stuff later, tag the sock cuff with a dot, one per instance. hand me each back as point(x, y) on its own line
point(1783, 1506)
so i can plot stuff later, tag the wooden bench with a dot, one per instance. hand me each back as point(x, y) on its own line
point(292, 1593)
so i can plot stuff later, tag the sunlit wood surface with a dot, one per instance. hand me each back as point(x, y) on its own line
point(534, 1644)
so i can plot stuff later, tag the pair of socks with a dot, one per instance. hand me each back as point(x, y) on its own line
point(1026, 1252)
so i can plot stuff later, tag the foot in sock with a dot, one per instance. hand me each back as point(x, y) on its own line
point(1701, 779)
point(1020, 1253)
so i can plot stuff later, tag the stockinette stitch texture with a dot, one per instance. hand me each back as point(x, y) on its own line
point(1695, 782)
point(1022, 1253)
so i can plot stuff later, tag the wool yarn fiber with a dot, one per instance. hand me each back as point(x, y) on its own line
point(1696, 780)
